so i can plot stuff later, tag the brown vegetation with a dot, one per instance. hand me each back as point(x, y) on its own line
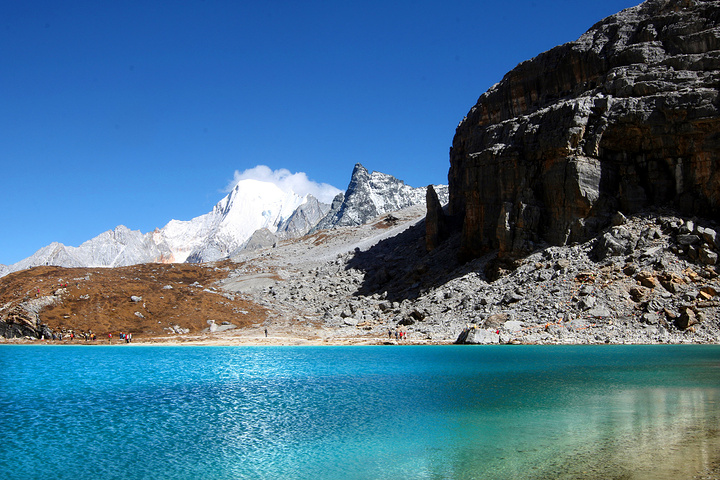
point(146, 300)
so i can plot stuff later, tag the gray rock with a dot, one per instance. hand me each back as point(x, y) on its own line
point(708, 257)
point(512, 297)
point(688, 239)
point(686, 319)
point(599, 312)
point(496, 320)
point(708, 234)
point(651, 318)
point(482, 336)
point(586, 303)
point(513, 326)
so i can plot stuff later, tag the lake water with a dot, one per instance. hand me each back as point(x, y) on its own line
point(391, 412)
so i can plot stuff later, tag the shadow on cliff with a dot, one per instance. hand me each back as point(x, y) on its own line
point(400, 267)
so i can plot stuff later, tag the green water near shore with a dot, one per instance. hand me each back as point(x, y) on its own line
point(465, 412)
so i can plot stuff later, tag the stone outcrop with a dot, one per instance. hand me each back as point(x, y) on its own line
point(23, 320)
point(624, 118)
point(435, 228)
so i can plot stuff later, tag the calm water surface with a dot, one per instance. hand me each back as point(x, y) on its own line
point(455, 412)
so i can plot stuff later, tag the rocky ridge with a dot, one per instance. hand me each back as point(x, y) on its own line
point(371, 194)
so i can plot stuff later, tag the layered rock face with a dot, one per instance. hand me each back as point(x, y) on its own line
point(624, 118)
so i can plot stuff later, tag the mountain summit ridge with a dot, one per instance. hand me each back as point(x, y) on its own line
point(371, 194)
point(251, 206)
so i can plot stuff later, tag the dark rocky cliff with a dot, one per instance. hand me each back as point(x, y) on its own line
point(625, 118)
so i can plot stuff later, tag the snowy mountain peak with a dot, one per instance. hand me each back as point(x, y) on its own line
point(251, 206)
point(371, 194)
point(252, 192)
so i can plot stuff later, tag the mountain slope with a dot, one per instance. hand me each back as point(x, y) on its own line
point(113, 248)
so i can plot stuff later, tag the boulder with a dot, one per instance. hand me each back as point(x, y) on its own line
point(586, 303)
point(646, 279)
point(639, 293)
point(686, 319)
point(707, 256)
point(513, 326)
point(688, 239)
point(496, 320)
point(651, 318)
point(482, 336)
point(670, 282)
point(599, 311)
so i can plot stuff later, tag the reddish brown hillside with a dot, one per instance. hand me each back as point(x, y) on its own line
point(146, 300)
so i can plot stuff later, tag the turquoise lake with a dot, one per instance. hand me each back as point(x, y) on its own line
point(390, 412)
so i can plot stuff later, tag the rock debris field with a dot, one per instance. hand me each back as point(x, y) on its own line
point(649, 278)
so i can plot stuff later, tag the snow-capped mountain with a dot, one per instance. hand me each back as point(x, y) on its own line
point(371, 194)
point(113, 248)
point(252, 206)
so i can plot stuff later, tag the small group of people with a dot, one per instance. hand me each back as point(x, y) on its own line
point(71, 335)
point(123, 336)
point(87, 336)
point(400, 335)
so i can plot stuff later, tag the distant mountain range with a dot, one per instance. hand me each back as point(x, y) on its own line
point(254, 214)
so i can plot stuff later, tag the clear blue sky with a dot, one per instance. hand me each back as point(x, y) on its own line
point(138, 112)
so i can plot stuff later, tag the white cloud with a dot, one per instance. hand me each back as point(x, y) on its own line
point(295, 182)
